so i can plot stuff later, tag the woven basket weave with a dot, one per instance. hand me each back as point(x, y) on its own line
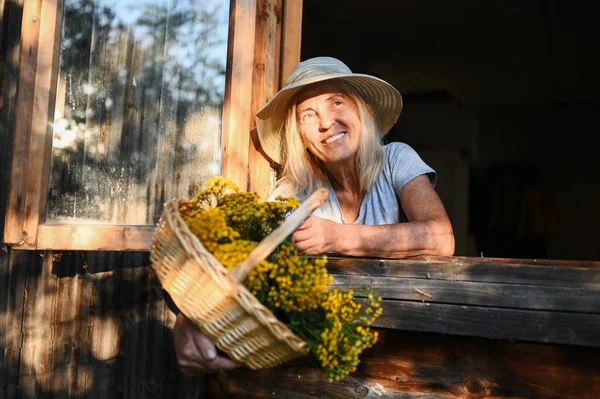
point(215, 299)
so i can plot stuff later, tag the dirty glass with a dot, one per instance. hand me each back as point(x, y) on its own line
point(138, 107)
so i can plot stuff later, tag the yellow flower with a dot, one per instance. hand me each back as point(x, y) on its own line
point(335, 326)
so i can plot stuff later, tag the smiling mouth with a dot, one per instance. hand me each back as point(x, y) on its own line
point(333, 138)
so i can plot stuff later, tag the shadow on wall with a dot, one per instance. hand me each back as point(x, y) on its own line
point(86, 325)
point(143, 367)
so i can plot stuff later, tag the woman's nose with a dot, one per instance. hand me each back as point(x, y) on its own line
point(326, 120)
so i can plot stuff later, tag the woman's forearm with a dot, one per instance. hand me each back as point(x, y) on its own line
point(426, 237)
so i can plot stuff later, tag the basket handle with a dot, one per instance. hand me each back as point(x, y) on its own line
point(268, 244)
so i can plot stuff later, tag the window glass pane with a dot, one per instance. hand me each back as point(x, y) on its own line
point(138, 107)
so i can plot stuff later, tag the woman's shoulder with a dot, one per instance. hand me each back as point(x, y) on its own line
point(403, 164)
point(397, 149)
point(397, 146)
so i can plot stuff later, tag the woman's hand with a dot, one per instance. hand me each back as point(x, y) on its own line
point(316, 236)
point(196, 353)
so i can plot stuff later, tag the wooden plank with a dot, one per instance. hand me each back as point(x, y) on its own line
point(264, 85)
point(36, 363)
point(497, 323)
point(237, 113)
point(423, 365)
point(14, 232)
point(31, 156)
point(12, 296)
point(292, 37)
point(95, 237)
point(43, 114)
point(10, 45)
point(119, 313)
point(520, 296)
point(70, 321)
point(89, 319)
point(516, 271)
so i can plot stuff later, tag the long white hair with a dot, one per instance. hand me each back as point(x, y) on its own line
point(303, 173)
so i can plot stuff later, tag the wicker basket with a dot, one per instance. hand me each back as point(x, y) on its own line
point(215, 299)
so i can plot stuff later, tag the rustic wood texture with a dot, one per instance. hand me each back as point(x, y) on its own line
point(541, 301)
point(12, 296)
point(490, 270)
point(292, 37)
point(238, 93)
point(13, 232)
point(10, 44)
point(421, 365)
point(95, 237)
point(265, 84)
point(33, 135)
point(94, 325)
point(86, 324)
point(537, 326)
point(581, 298)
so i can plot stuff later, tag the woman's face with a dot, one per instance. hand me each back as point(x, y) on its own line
point(329, 123)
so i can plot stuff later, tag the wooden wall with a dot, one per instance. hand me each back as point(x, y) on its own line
point(94, 325)
point(86, 324)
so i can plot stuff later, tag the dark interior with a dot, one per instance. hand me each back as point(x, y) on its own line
point(500, 98)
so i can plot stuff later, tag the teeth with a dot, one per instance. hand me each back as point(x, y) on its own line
point(334, 138)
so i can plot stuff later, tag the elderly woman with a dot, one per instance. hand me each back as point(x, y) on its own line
point(325, 129)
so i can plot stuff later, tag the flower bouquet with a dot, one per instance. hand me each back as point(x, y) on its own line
point(226, 260)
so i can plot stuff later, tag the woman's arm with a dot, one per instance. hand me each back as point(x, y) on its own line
point(428, 231)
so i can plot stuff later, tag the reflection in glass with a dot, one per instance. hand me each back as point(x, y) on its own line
point(138, 107)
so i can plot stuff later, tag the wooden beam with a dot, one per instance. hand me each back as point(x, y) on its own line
point(10, 45)
point(577, 298)
point(95, 237)
point(12, 299)
point(237, 113)
point(32, 145)
point(265, 84)
point(491, 270)
point(292, 37)
point(529, 300)
point(14, 232)
point(497, 323)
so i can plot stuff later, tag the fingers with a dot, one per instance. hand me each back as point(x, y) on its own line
point(306, 244)
point(195, 352)
point(224, 363)
point(308, 222)
point(212, 366)
point(204, 346)
point(299, 236)
point(310, 237)
point(304, 231)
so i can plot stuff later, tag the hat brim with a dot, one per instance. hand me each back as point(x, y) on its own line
point(383, 98)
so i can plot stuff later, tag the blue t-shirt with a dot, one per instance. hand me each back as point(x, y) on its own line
point(381, 205)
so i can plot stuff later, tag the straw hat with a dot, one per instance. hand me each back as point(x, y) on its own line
point(380, 95)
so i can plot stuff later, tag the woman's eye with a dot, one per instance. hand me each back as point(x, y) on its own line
point(307, 118)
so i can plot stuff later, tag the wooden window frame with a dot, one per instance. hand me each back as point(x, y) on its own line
point(256, 66)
